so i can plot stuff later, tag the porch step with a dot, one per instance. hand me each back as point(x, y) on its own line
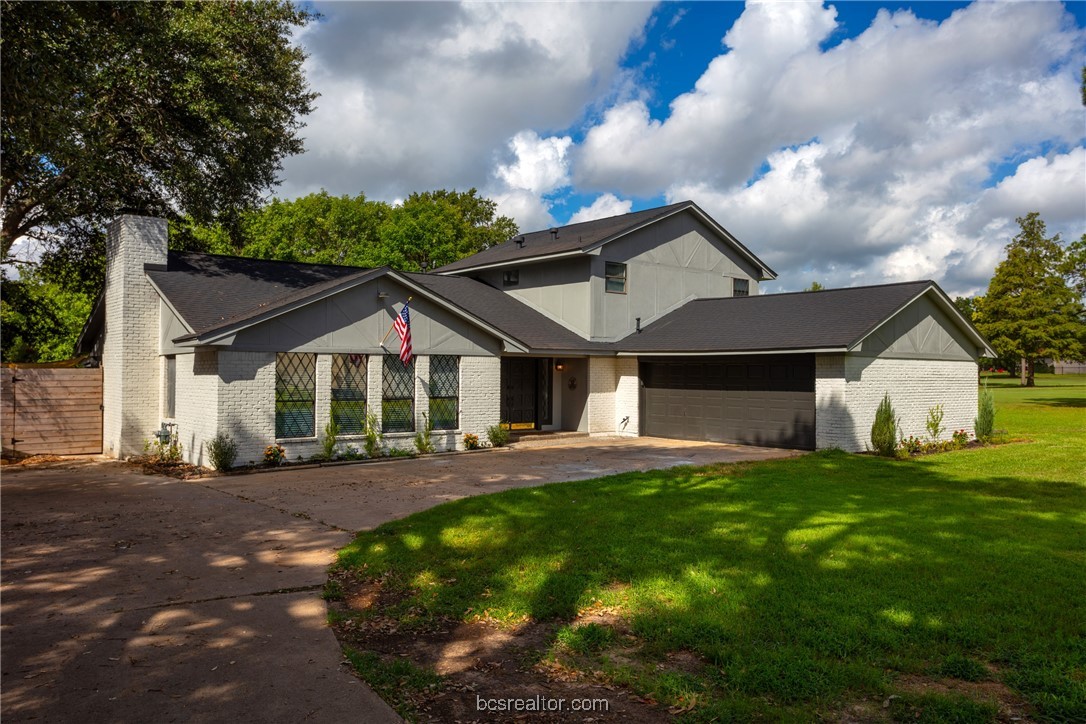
point(544, 439)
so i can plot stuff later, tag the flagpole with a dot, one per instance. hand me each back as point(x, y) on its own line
point(382, 343)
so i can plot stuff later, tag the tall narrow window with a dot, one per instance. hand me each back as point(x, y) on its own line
point(398, 395)
point(349, 393)
point(616, 277)
point(445, 391)
point(510, 277)
point(170, 406)
point(740, 287)
point(295, 393)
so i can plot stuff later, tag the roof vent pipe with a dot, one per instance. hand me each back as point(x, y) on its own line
point(554, 234)
point(520, 242)
point(638, 320)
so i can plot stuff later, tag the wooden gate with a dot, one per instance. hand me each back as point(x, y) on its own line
point(51, 411)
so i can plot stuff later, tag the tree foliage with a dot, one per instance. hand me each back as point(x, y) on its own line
point(1030, 312)
point(815, 287)
point(41, 318)
point(156, 108)
point(430, 229)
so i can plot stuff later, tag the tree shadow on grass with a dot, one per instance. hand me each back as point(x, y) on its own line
point(795, 581)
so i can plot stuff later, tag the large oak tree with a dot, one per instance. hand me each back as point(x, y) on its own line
point(159, 108)
point(1030, 312)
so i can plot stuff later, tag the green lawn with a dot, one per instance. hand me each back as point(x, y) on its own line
point(801, 585)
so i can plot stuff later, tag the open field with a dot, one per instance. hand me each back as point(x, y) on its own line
point(949, 587)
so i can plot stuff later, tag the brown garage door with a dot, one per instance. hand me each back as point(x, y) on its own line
point(758, 400)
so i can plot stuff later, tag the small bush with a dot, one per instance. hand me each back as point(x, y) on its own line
point(328, 440)
point(498, 435)
point(159, 450)
point(423, 442)
point(911, 445)
point(373, 437)
point(222, 451)
point(884, 429)
point(984, 424)
point(960, 438)
point(935, 423)
point(350, 452)
point(274, 455)
point(471, 442)
point(399, 452)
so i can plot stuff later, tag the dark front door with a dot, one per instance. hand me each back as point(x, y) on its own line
point(764, 400)
point(520, 384)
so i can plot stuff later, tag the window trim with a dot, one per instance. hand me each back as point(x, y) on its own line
point(169, 403)
point(280, 357)
point(344, 359)
point(410, 368)
point(432, 397)
point(735, 283)
point(609, 276)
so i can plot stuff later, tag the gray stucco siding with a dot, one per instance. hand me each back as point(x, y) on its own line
point(356, 320)
point(667, 264)
point(558, 288)
point(919, 331)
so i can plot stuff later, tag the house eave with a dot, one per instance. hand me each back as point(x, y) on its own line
point(736, 353)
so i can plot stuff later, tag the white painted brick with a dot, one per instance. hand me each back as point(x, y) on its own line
point(627, 396)
point(849, 389)
point(602, 381)
point(131, 369)
point(480, 395)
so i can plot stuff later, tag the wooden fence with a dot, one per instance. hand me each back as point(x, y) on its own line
point(51, 411)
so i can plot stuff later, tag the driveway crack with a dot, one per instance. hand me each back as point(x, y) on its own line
point(191, 602)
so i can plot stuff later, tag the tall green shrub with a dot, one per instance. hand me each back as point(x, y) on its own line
point(984, 423)
point(884, 430)
point(328, 441)
point(221, 451)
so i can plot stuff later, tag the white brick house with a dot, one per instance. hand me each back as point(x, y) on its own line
point(643, 324)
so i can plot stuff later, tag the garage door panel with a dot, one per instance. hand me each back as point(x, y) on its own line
point(759, 401)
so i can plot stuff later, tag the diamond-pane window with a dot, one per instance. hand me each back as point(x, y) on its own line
point(349, 393)
point(444, 391)
point(398, 395)
point(295, 392)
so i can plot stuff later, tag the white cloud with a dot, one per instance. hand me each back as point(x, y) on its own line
point(541, 165)
point(879, 150)
point(418, 96)
point(604, 206)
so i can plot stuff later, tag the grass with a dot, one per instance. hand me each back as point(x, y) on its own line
point(798, 585)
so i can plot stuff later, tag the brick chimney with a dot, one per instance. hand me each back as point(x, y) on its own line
point(130, 364)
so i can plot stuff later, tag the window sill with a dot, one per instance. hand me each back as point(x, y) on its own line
point(281, 440)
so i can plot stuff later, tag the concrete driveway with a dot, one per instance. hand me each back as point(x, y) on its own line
point(139, 598)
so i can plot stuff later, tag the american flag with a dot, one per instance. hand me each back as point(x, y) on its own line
point(402, 325)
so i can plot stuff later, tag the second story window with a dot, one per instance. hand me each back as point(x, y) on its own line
point(740, 287)
point(510, 277)
point(616, 277)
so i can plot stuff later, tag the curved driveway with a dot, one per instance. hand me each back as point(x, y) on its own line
point(128, 597)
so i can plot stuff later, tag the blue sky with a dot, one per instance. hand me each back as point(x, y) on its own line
point(851, 143)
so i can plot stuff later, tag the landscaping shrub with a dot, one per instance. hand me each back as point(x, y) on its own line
point(423, 442)
point(222, 451)
point(498, 435)
point(884, 429)
point(960, 438)
point(373, 437)
point(911, 445)
point(984, 424)
point(935, 423)
point(328, 441)
point(160, 450)
point(471, 442)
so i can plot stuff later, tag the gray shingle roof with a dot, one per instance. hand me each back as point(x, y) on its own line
point(506, 313)
point(829, 319)
point(211, 291)
point(572, 237)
